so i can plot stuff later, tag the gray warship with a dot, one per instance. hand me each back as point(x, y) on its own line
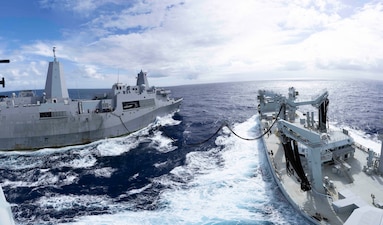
point(31, 122)
point(321, 170)
point(5, 208)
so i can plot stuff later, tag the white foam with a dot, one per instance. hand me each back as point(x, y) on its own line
point(104, 172)
point(123, 218)
point(220, 184)
point(7, 182)
point(81, 161)
point(118, 146)
point(228, 186)
point(62, 202)
point(19, 163)
point(161, 143)
point(113, 147)
point(160, 165)
point(167, 120)
point(44, 179)
point(139, 190)
point(82, 158)
point(135, 176)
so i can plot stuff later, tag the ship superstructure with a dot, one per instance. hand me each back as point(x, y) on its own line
point(6, 217)
point(320, 170)
point(54, 119)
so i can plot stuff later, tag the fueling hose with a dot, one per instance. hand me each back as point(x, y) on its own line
point(225, 124)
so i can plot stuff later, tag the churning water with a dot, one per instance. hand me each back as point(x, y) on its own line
point(157, 175)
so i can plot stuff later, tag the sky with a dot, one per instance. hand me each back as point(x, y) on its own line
point(178, 42)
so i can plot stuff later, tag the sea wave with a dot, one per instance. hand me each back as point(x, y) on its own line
point(156, 175)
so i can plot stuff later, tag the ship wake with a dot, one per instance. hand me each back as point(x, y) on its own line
point(146, 178)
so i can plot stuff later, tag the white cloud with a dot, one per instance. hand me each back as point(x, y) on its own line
point(90, 71)
point(353, 43)
point(209, 40)
point(83, 7)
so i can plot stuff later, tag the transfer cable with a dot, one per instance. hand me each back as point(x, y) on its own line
point(225, 124)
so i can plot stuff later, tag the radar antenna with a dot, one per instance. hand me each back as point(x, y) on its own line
point(2, 81)
point(54, 53)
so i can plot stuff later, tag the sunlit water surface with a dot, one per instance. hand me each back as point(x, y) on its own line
point(157, 175)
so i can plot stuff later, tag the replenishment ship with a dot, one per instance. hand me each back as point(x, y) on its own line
point(320, 169)
point(31, 122)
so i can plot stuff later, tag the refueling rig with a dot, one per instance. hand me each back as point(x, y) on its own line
point(309, 143)
point(339, 176)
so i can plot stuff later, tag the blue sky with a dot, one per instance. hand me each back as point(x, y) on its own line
point(178, 42)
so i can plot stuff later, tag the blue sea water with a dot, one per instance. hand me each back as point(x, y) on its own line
point(158, 176)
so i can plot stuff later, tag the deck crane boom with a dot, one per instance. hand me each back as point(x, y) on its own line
point(319, 148)
point(320, 102)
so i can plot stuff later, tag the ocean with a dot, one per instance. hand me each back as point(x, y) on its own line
point(176, 171)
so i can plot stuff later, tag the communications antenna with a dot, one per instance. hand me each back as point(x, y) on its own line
point(2, 81)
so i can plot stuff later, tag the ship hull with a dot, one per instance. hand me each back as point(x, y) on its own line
point(29, 133)
point(30, 122)
point(268, 144)
point(316, 207)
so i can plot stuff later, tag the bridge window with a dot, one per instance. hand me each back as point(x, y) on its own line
point(45, 114)
point(130, 105)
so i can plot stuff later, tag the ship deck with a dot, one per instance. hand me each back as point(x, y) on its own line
point(350, 190)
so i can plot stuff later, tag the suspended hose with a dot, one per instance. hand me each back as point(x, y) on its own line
point(208, 139)
point(259, 137)
point(225, 124)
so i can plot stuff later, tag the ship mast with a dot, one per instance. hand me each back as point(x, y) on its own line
point(54, 54)
point(55, 85)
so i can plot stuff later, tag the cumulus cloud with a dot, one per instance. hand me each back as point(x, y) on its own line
point(183, 40)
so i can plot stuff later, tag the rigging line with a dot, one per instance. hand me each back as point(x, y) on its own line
point(193, 144)
point(122, 122)
point(208, 139)
point(256, 138)
point(231, 130)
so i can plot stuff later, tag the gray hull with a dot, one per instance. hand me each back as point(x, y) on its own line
point(81, 129)
point(31, 122)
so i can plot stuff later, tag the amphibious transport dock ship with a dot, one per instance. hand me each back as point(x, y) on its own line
point(321, 171)
point(54, 120)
